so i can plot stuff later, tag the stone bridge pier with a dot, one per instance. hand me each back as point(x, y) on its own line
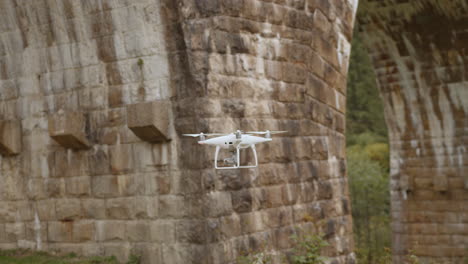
point(94, 98)
point(95, 94)
point(420, 54)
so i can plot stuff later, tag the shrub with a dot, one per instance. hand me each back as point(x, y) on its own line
point(308, 248)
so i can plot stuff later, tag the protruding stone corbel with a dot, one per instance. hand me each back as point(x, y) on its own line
point(10, 137)
point(149, 121)
point(68, 129)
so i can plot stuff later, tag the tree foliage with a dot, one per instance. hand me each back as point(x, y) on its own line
point(364, 108)
point(367, 160)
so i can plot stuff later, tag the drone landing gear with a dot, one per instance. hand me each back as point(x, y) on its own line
point(235, 159)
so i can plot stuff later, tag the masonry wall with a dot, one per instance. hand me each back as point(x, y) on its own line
point(419, 56)
point(85, 169)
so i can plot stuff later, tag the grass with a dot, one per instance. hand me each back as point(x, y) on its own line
point(21, 256)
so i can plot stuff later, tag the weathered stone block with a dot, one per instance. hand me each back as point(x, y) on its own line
point(94, 208)
point(68, 209)
point(150, 253)
point(78, 186)
point(251, 222)
point(440, 183)
point(162, 231)
point(68, 129)
point(83, 231)
point(242, 201)
point(60, 231)
point(131, 208)
point(137, 231)
point(46, 209)
point(121, 251)
point(191, 231)
point(105, 186)
point(10, 137)
point(149, 121)
point(230, 226)
point(110, 230)
point(217, 204)
point(121, 158)
point(15, 232)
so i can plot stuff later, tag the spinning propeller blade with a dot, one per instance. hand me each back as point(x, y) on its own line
point(191, 135)
point(207, 134)
point(265, 132)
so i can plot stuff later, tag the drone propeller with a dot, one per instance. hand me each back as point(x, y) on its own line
point(265, 132)
point(203, 134)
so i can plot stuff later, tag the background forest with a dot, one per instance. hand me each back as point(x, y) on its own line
point(368, 160)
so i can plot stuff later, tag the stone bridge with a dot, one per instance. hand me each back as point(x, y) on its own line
point(95, 94)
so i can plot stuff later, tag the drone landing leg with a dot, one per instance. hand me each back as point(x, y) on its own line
point(216, 157)
point(255, 157)
point(238, 156)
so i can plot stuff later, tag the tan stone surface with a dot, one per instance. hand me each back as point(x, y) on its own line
point(10, 137)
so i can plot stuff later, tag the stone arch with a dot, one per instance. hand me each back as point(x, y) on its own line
point(418, 49)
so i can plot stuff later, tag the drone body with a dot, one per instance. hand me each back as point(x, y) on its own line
point(234, 142)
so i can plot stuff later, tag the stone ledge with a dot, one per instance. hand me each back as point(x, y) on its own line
point(149, 121)
point(68, 129)
point(10, 137)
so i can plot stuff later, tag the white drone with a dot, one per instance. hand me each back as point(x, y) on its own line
point(234, 142)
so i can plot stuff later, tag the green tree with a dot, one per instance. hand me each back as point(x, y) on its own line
point(364, 107)
point(367, 159)
point(370, 203)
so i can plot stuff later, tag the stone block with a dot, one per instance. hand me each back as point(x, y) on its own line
point(105, 186)
point(78, 186)
point(230, 226)
point(68, 129)
point(191, 231)
point(68, 209)
point(119, 208)
point(149, 121)
point(440, 183)
point(131, 208)
point(137, 231)
point(94, 208)
point(173, 206)
point(10, 137)
point(162, 231)
point(83, 231)
point(60, 231)
point(15, 232)
point(98, 161)
point(121, 159)
point(46, 209)
point(110, 230)
point(150, 253)
point(242, 201)
point(251, 222)
point(217, 204)
point(120, 250)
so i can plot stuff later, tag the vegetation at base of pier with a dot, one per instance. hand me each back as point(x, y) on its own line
point(24, 256)
point(367, 160)
point(307, 250)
